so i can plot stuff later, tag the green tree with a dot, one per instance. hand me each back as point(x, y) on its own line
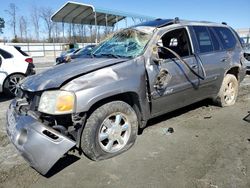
point(2, 24)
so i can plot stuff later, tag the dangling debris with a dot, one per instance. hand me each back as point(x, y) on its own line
point(207, 117)
point(247, 118)
point(168, 131)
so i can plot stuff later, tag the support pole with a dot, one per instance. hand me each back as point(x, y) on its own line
point(82, 33)
point(116, 19)
point(91, 34)
point(74, 38)
point(63, 31)
point(95, 29)
point(106, 23)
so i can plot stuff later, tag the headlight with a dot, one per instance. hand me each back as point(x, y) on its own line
point(57, 102)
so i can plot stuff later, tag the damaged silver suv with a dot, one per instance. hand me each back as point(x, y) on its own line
point(97, 104)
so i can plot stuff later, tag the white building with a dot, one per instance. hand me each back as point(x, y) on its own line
point(244, 34)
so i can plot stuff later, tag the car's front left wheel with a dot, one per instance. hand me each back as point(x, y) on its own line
point(110, 130)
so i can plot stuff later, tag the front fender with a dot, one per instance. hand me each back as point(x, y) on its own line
point(110, 81)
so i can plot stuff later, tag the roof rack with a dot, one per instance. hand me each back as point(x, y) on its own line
point(170, 22)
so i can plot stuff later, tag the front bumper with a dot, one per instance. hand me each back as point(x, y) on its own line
point(40, 145)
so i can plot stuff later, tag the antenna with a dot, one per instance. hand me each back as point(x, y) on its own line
point(176, 20)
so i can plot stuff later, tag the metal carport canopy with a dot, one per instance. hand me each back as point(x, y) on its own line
point(79, 13)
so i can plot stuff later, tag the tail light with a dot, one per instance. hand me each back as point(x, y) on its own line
point(29, 60)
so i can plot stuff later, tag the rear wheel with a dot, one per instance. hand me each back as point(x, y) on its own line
point(110, 130)
point(228, 92)
point(10, 84)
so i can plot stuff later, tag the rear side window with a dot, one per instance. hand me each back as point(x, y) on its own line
point(226, 36)
point(6, 55)
point(22, 52)
point(203, 38)
point(215, 41)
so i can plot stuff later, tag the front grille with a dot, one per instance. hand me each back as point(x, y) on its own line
point(31, 98)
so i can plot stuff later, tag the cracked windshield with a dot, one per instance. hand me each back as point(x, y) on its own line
point(127, 43)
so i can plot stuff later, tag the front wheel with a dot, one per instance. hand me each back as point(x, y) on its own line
point(10, 84)
point(228, 92)
point(110, 130)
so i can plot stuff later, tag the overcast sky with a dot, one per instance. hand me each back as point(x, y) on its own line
point(235, 12)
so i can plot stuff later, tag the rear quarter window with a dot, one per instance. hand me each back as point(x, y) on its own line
point(6, 55)
point(226, 37)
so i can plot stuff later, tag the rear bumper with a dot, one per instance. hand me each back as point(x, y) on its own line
point(40, 145)
point(30, 70)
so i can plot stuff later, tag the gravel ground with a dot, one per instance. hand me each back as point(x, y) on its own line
point(209, 148)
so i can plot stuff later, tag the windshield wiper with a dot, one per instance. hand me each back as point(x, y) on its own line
point(107, 55)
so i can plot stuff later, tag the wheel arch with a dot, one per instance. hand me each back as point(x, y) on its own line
point(11, 75)
point(131, 98)
point(234, 71)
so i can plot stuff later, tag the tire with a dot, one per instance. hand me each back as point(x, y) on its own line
point(228, 92)
point(10, 84)
point(110, 130)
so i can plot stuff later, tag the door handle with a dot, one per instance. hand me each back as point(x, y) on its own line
point(194, 66)
point(224, 59)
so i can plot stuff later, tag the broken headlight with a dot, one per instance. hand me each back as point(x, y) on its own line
point(57, 102)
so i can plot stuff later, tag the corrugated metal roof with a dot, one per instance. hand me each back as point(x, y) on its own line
point(79, 13)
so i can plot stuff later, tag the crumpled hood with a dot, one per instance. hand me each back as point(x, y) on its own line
point(56, 76)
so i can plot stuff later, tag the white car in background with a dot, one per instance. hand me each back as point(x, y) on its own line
point(14, 66)
point(247, 56)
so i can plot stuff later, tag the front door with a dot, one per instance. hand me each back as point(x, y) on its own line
point(172, 83)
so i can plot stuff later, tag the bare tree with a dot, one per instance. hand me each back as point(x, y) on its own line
point(2, 25)
point(45, 14)
point(23, 28)
point(79, 32)
point(56, 31)
point(91, 32)
point(12, 11)
point(69, 32)
point(35, 19)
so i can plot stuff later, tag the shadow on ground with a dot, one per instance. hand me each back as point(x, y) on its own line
point(62, 164)
point(4, 98)
point(179, 112)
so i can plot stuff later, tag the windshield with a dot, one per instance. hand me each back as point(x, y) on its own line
point(127, 43)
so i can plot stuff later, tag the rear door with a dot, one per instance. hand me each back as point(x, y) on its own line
point(6, 66)
point(213, 58)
